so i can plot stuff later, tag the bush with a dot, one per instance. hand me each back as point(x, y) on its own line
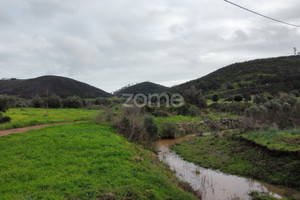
point(195, 97)
point(215, 98)
point(260, 99)
point(38, 102)
point(72, 102)
point(290, 99)
point(3, 104)
point(151, 127)
point(238, 98)
point(169, 130)
point(160, 113)
point(5, 119)
point(54, 102)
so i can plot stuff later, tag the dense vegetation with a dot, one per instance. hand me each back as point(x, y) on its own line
point(57, 85)
point(81, 161)
point(141, 88)
point(271, 75)
point(239, 157)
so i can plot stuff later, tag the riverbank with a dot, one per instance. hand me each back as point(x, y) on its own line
point(238, 157)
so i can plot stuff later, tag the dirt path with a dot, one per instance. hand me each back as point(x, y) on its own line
point(21, 130)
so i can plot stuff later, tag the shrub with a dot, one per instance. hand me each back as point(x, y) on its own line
point(290, 99)
point(5, 119)
point(3, 104)
point(260, 99)
point(215, 98)
point(151, 127)
point(228, 99)
point(54, 102)
point(169, 130)
point(38, 102)
point(195, 97)
point(72, 102)
point(238, 98)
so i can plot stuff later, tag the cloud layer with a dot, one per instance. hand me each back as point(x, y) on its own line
point(110, 44)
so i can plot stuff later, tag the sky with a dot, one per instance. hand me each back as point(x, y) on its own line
point(109, 44)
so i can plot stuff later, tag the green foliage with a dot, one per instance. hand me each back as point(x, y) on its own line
point(238, 98)
point(195, 97)
point(215, 98)
point(260, 99)
point(54, 102)
point(38, 102)
point(82, 161)
point(72, 102)
point(169, 130)
point(151, 127)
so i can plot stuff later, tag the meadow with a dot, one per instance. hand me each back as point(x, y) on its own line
point(82, 161)
point(274, 139)
point(23, 117)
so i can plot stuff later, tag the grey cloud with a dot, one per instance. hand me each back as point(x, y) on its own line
point(112, 43)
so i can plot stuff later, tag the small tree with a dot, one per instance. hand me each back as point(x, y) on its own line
point(215, 98)
point(73, 102)
point(260, 99)
point(151, 127)
point(38, 102)
point(3, 108)
point(54, 102)
point(238, 98)
point(195, 97)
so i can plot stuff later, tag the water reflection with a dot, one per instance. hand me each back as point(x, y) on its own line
point(211, 184)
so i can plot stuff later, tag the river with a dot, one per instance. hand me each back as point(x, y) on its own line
point(212, 184)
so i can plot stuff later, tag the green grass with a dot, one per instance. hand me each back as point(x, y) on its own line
point(237, 157)
point(81, 161)
point(23, 117)
point(274, 139)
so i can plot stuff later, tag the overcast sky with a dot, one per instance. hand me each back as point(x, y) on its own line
point(111, 43)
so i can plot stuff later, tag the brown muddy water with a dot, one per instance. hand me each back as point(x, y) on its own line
point(212, 184)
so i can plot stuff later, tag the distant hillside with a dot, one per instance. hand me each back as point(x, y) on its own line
point(142, 88)
point(271, 75)
point(60, 86)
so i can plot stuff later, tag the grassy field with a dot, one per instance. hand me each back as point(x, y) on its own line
point(237, 157)
point(22, 117)
point(274, 139)
point(81, 161)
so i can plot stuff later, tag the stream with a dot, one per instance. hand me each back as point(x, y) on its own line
point(212, 184)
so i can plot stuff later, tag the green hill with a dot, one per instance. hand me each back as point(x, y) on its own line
point(271, 75)
point(142, 88)
point(60, 86)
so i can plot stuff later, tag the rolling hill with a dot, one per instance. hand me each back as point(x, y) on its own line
point(57, 85)
point(271, 75)
point(142, 88)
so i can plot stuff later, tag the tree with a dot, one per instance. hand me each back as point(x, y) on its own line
point(195, 97)
point(54, 102)
point(3, 108)
point(238, 98)
point(260, 99)
point(215, 98)
point(38, 102)
point(151, 127)
point(72, 102)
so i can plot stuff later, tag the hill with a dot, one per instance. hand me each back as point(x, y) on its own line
point(142, 88)
point(57, 85)
point(270, 75)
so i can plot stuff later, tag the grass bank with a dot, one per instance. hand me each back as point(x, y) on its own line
point(23, 117)
point(81, 161)
point(237, 157)
point(274, 139)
